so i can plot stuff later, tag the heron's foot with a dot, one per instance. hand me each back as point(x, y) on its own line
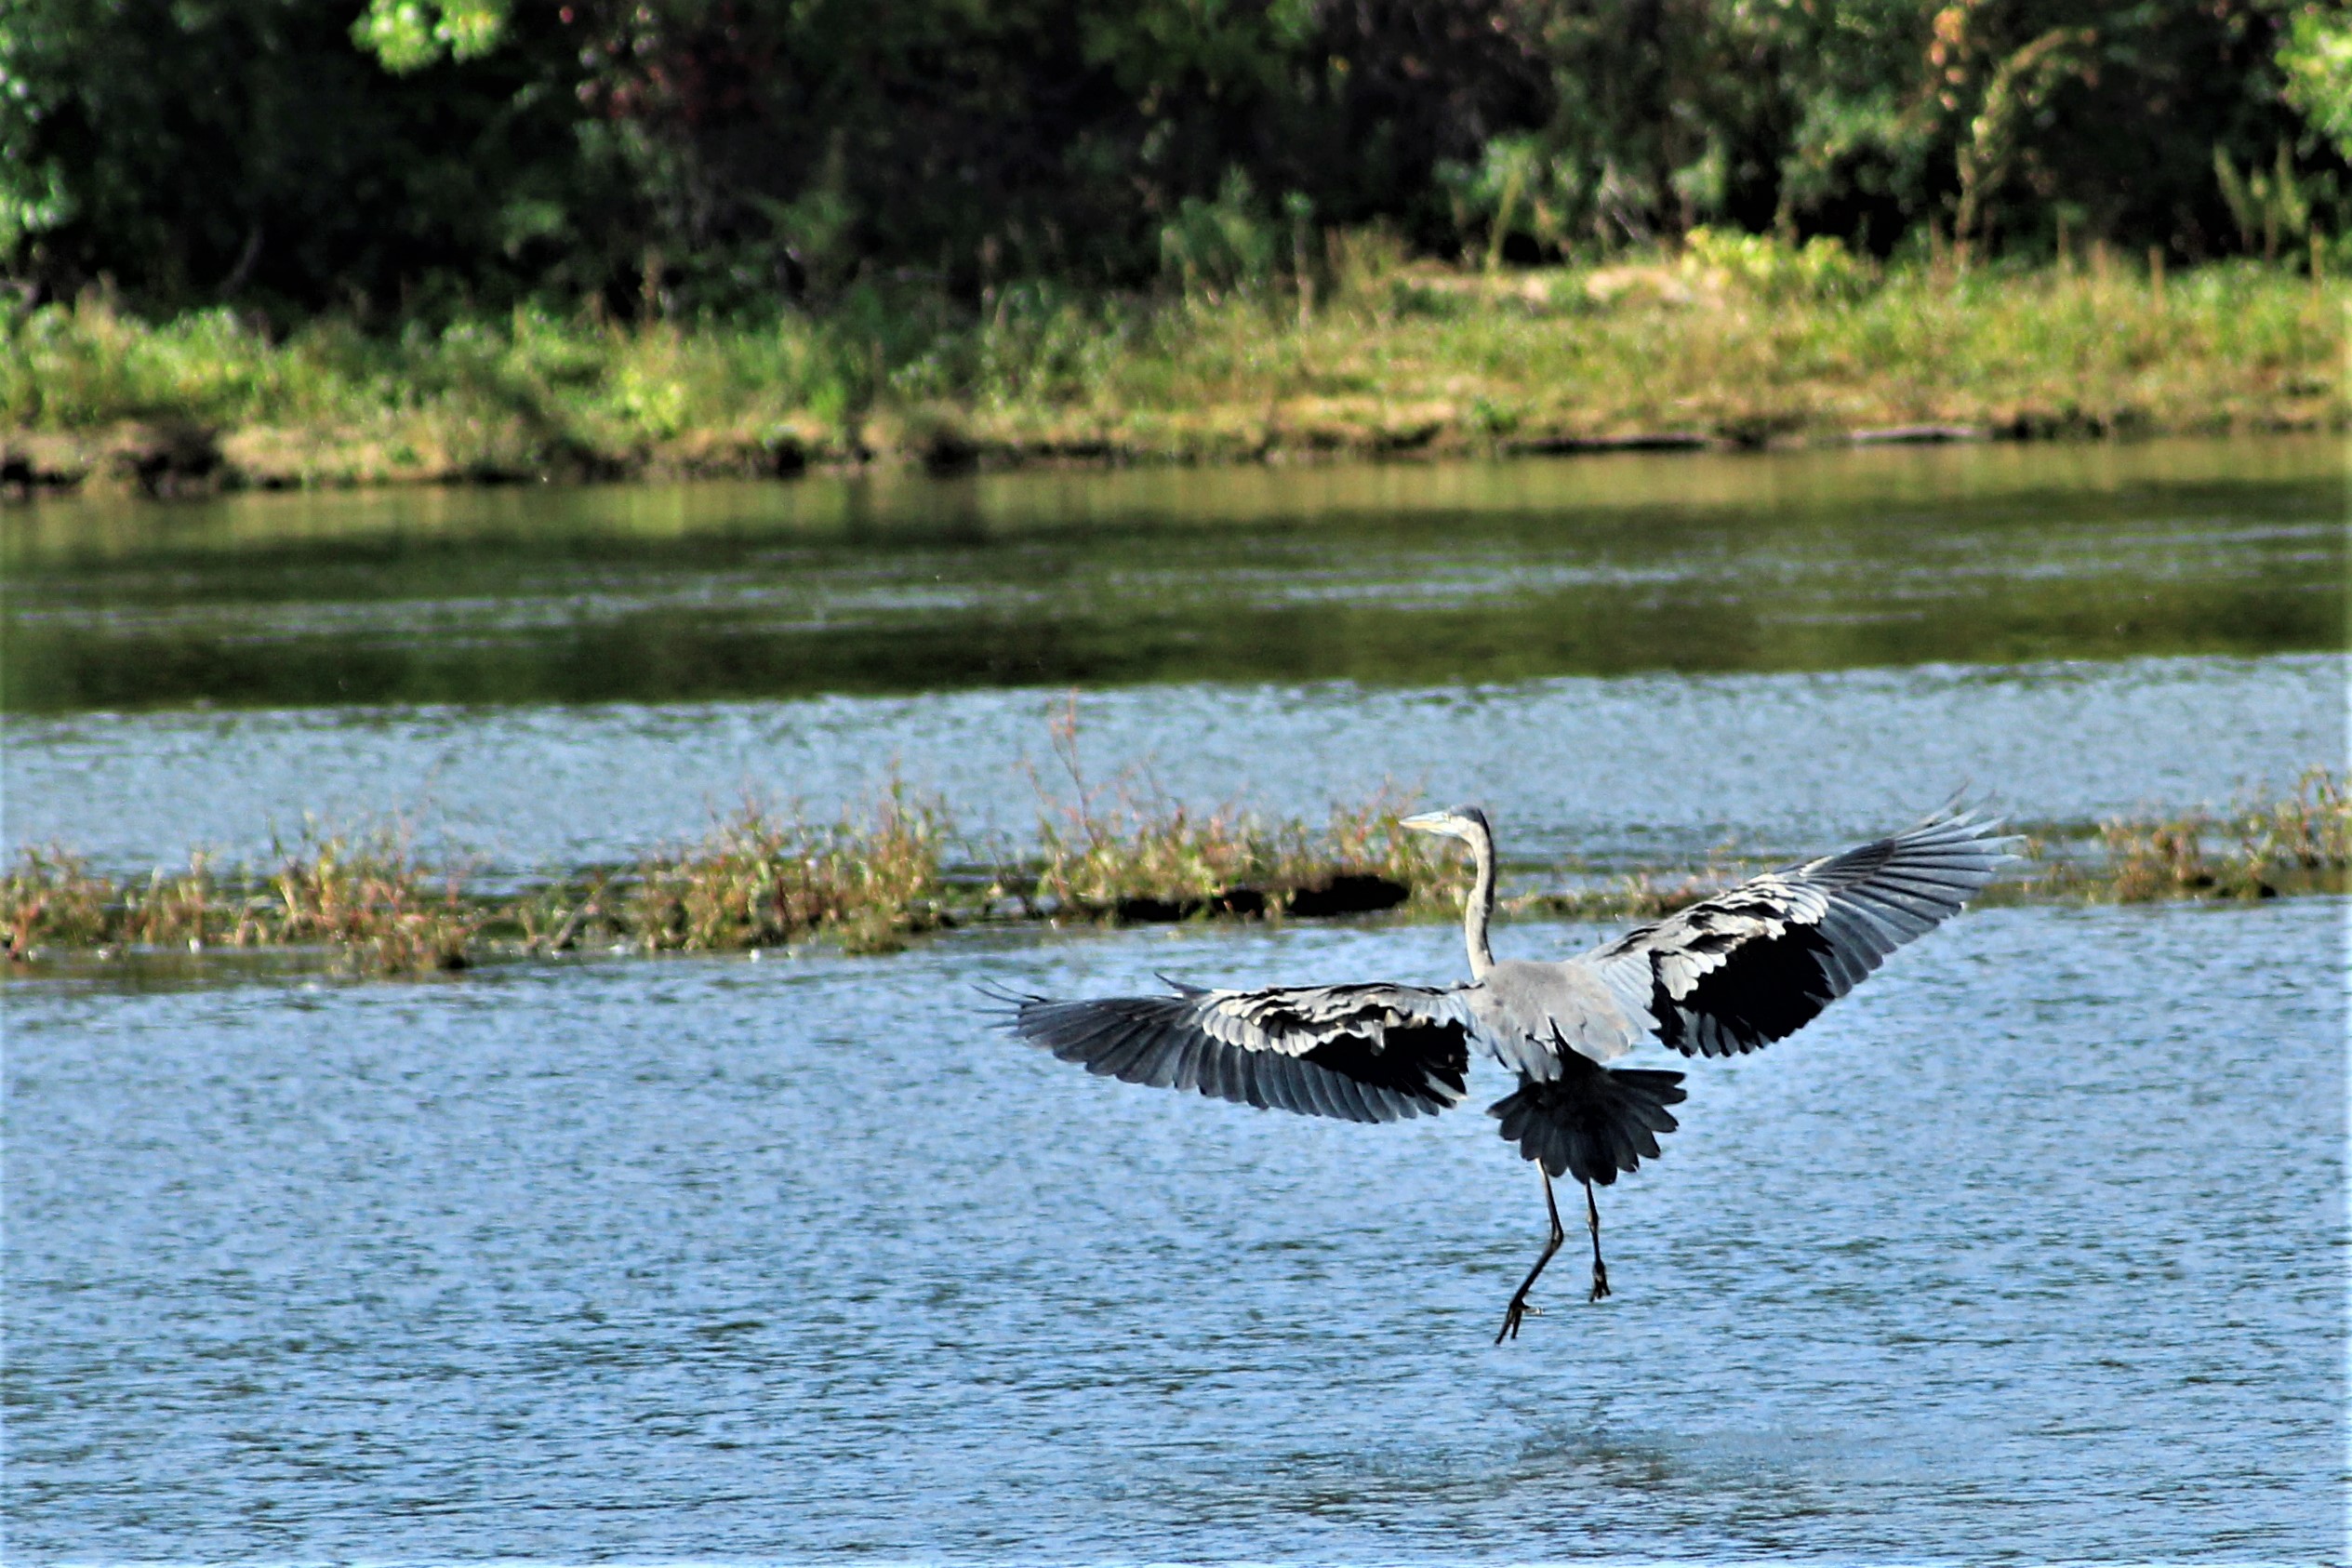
point(1512, 1314)
point(1599, 1280)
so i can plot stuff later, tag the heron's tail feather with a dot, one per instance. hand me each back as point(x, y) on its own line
point(1592, 1121)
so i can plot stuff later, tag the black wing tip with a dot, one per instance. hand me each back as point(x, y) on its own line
point(1006, 1007)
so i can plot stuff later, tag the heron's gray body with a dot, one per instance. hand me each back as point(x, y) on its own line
point(1529, 1014)
point(1726, 975)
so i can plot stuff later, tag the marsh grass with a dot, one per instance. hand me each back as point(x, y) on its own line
point(366, 896)
point(759, 881)
point(1157, 861)
point(52, 897)
point(2258, 848)
point(1123, 851)
point(874, 879)
point(1725, 343)
point(1638, 895)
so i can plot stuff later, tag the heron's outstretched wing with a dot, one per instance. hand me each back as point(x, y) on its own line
point(1368, 1053)
point(1755, 963)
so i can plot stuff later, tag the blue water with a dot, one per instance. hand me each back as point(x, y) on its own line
point(1627, 770)
point(2031, 1249)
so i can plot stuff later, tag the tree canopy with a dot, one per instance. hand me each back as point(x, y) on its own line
point(389, 156)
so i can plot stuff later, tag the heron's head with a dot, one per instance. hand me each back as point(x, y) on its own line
point(1465, 822)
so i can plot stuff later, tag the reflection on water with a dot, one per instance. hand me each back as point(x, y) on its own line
point(1393, 576)
point(2015, 1256)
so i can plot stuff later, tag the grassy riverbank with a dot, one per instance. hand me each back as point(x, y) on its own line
point(1736, 342)
point(873, 882)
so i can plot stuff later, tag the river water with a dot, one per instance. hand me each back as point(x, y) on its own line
point(2031, 1249)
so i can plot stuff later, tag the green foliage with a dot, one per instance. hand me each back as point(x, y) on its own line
point(1213, 248)
point(2315, 57)
point(246, 150)
point(2267, 203)
point(1518, 188)
point(711, 159)
point(409, 34)
point(1738, 337)
point(1772, 269)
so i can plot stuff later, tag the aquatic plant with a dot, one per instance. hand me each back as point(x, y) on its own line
point(1122, 851)
point(757, 882)
point(367, 894)
point(2254, 850)
point(879, 876)
point(170, 909)
point(51, 897)
point(2309, 830)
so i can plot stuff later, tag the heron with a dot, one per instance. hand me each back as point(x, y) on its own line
point(1719, 978)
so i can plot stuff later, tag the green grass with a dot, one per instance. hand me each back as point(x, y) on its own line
point(1726, 343)
point(871, 882)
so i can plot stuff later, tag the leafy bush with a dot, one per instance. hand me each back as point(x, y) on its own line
point(1772, 269)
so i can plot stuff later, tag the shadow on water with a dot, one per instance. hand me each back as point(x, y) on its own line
point(1387, 576)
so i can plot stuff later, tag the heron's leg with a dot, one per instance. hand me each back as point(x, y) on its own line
point(1518, 1307)
point(1599, 1269)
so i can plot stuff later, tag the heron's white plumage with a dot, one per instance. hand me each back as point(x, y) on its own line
point(1294, 1021)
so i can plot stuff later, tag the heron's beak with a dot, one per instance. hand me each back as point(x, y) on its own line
point(1424, 821)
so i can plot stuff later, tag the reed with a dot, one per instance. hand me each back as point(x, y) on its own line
point(1166, 862)
point(368, 894)
point(1638, 895)
point(50, 898)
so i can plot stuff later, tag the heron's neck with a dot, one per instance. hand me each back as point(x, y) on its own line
point(1479, 905)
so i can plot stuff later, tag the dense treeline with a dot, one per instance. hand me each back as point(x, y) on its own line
point(408, 157)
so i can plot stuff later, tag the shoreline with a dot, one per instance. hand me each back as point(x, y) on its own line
point(1422, 363)
point(163, 462)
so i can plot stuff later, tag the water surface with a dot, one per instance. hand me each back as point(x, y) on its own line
point(1626, 658)
point(1465, 573)
point(2032, 1249)
point(1613, 770)
point(2015, 1256)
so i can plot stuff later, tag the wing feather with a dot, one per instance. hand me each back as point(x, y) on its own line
point(1759, 962)
point(1366, 1052)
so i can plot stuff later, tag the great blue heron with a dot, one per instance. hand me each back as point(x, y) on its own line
point(1724, 976)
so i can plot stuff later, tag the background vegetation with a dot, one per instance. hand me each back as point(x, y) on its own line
point(399, 160)
point(1739, 341)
